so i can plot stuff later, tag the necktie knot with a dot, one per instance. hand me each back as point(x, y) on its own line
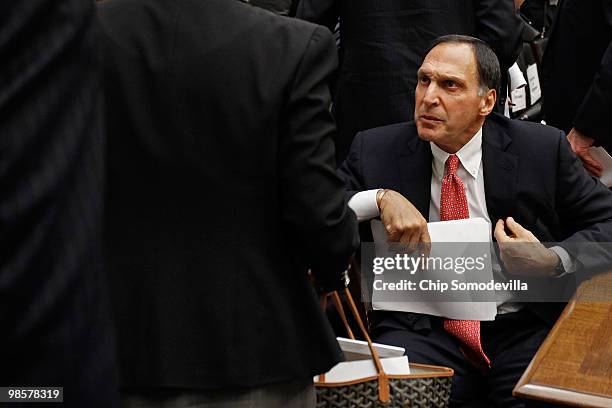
point(451, 164)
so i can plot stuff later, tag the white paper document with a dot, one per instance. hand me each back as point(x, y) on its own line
point(350, 346)
point(517, 80)
point(603, 157)
point(518, 94)
point(359, 363)
point(454, 239)
point(467, 230)
point(535, 92)
point(519, 99)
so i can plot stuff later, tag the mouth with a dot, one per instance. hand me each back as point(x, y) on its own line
point(430, 118)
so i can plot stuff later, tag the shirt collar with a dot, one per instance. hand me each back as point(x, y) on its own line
point(470, 156)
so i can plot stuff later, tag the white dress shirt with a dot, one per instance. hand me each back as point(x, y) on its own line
point(470, 170)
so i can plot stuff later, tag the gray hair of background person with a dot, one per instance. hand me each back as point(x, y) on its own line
point(487, 64)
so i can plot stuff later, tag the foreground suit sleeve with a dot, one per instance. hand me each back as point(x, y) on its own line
point(54, 321)
point(313, 196)
point(593, 116)
point(350, 171)
point(499, 25)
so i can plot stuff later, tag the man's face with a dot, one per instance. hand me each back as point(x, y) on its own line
point(448, 109)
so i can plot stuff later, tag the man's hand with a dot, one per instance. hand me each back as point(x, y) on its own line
point(402, 221)
point(580, 145)
point(522, 253)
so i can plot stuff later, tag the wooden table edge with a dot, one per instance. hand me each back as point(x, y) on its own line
point(549, 393)
point(544, 348)
point(561, 396)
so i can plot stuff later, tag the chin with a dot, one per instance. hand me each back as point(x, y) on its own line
point(427, 134)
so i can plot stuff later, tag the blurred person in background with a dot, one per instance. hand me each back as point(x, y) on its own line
point(382, 44)
point(577, 77)
point(56, 328)
point(222, 192)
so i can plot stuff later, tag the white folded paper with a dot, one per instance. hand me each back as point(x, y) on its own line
point(350, 346)
point(359, 363)
point(467, 230)
point(602, 156)
point(463, 234)
point(517, 79)
point(517, 90)
point(535, 92)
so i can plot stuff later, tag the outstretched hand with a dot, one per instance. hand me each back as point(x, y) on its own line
point(581, 145)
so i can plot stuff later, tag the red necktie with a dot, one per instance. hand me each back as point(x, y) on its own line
point(454, 206)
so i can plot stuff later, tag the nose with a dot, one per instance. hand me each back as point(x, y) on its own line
point(431, 94)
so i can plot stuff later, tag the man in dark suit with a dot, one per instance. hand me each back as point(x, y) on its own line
point(381, 45)
point(577, 76)
point(460, 161)
point(222, 192)
point(54, 313)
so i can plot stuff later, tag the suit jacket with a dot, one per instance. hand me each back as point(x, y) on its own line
point(382, 45)
point(281, 7)
point(529, 172)
point(54, 309)
point(577, 69)
point(222, 191)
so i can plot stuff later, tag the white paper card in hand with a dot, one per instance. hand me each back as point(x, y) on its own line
point(535, 91)
point(603, 157)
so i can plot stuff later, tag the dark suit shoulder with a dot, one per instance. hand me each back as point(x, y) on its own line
point(376, 147)
point(159, 29)
point(389, 136)
point(142, 29)
point(525, 133)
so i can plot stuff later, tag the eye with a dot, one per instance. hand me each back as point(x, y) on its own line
point(450, 84)
point(423, 79)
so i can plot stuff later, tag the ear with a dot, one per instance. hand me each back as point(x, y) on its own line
point(488, 102)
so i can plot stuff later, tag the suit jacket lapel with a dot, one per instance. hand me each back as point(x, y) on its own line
point(500, 171)
point(415, 173)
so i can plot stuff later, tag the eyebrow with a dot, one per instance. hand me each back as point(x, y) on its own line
point(443, 77)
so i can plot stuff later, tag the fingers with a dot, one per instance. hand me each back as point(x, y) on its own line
point(403, 222)
point(593, 171)
point(580, 145)
point(414, 239)
point(522, 234)
point(586, 157)
point(590, 164)
point(412, 232)
point(393, 235)
point(425, 241)
point(514, 227)
point(425, 238)
point(572, 141)
point(500, 233)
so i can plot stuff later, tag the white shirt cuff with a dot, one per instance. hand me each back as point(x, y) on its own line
point(569, 266)
point(364, 205)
